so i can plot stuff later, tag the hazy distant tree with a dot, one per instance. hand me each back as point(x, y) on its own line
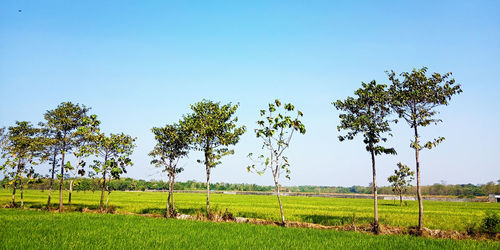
point(367, 114)
point(65, 120)
point(213, 128)
point(86, 138)
point(114, 151)
point(21, 151)
point(172, 143)
point(276, 130)
point(415, 98)
point(401, 180)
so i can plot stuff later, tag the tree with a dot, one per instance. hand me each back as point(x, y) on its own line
point(213, 129)
point(65, 120)
point(51, 151)
point(415, 98)
point(172, 143)
point(115, 151)
point(401, 180)
point(86, 137)
point(367, 114)
point(276, 131)
point(21, 151)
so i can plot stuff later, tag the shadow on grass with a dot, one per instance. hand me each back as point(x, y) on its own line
point(329, 220)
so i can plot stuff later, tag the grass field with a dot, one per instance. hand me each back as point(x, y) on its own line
point(326, 211)
point(28, 229)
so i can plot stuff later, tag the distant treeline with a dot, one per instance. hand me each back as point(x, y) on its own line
point(129, 184)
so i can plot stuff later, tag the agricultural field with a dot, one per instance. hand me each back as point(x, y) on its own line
point(325, 211)
point(27, 229)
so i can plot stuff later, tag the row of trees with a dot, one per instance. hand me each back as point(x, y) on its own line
point(129, 184)
point(67, 129)
point(211, 128)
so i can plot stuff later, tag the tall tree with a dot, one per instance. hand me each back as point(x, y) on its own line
point(65, 120)
point(367, 114)
point(415, 98)
point(51, 151)
point(213, 129)
point(86, 137)
point(114, 151)
point(172, 143)
point(276, 130)
point(21, 151)
point(401, 180)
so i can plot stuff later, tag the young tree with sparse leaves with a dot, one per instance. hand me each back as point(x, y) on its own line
point(64, 121)
point(276, 130)
point(401, 180)
point(415, 98)
point(213, 129)
point(114, 150)
point(22, 151)
point(172, 143)
point(367, 114)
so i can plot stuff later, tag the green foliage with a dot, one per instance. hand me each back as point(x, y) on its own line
point(172, 143)
point(402, 178)
point(276, 130)
point(491, 222)
point(115, 151)
point(415, 97)
point(213, 128)
point(367, 114)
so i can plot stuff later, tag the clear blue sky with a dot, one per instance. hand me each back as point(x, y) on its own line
point(140, 64)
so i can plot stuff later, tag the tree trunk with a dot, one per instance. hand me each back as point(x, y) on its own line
point(101, 203)
point(167, 213)
point(22, 192)
point(70, 191)
point(109, 192)
point(172, 196)
point(400, 199)
point(13, 204)
point(376, 226)
point(277, 185)
point(61, 179)
point(52, 178)
point(419, 191)
point(207, 165)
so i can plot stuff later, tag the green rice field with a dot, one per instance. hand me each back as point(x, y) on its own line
point(325, 211)
point(29, 229)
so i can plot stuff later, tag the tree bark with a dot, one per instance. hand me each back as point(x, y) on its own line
point(101, 203)
point(13, 204)
point(283, 222)
point(61, 208)
point(167, 213)
point(52, 178)
point(400, 199)
point(172, 196)
point(70, 191)
point(22, 192)
point(207, 165)
point(419, 191)
point(376, 226)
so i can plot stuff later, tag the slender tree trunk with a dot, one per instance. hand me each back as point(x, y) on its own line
point(52, 178)
point(13, 204)
point(101, 203)
point(172, 196)
point(277, 185)
point(167, 213)
point(400, 199)
point(21, 188)
point(419, 191)
point(109, 192)
point(61, 179)
point(207, 165)
point(70, 191)
point(376, 226)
